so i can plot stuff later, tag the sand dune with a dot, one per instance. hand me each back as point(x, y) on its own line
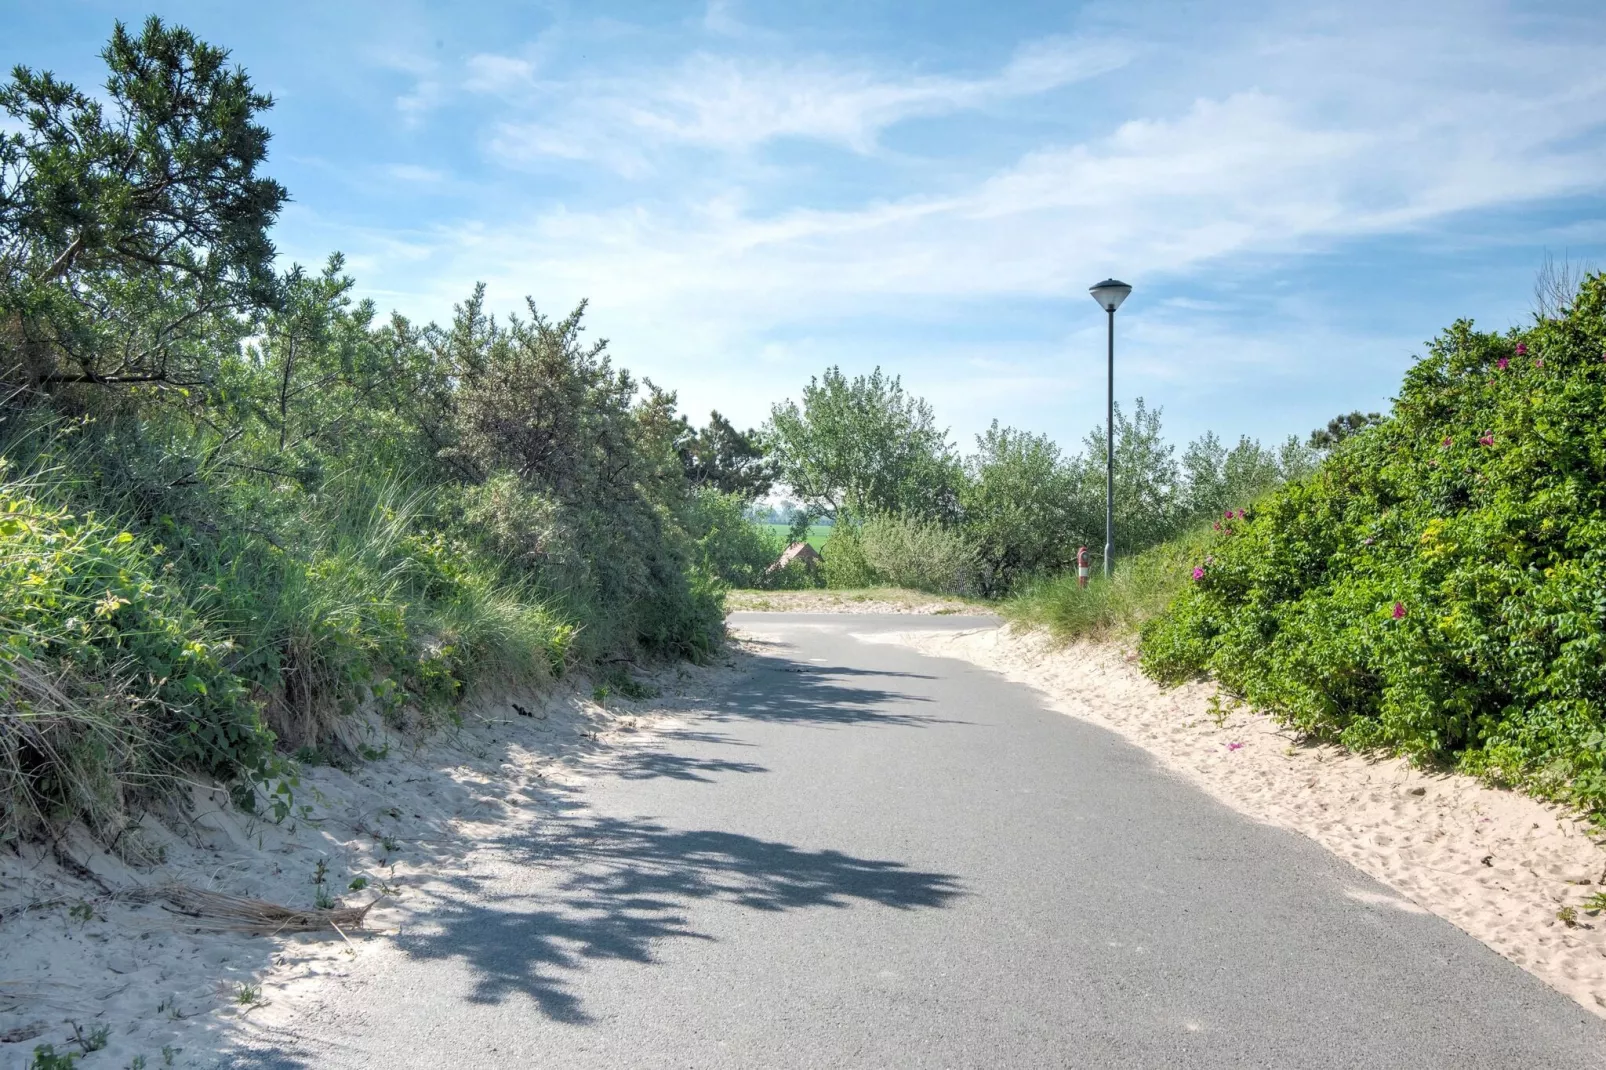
point(89, 951)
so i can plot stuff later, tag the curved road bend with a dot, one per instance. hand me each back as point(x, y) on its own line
point(862, 857)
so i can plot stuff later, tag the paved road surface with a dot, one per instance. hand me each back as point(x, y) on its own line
point(867, 858)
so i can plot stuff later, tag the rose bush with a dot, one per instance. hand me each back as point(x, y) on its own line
point(1438, 586)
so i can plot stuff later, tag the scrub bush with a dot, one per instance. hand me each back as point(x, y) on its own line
point(727, 544)
point(895, 551)
point(236, 506)
point(1437, 587)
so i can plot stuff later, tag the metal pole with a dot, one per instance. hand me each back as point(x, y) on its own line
point(1109, 461)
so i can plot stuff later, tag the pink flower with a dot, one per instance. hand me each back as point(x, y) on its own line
point(1399, 610)
point(1447, 442)
point(1229, 514)
point(1198, 573)
point(1522, 349)
point(1486, 440)
point(1235, 746)
point(1539, 362)
point(1503, 363)
point(1367, 541)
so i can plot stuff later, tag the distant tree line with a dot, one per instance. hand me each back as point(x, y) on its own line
point(863, 449)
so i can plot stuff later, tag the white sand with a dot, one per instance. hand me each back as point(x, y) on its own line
point(1496, 864)
point(407, 823)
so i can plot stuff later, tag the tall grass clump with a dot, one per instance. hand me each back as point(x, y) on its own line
point(1116, 608)
point(1438, 586)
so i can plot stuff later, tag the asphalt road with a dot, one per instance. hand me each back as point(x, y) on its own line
point(861, 857)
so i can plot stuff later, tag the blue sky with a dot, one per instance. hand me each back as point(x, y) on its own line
point(1301, 193)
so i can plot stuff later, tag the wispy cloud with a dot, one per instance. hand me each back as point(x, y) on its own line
point(1262, 143)
point(490, 73)
point(415, 174)
point(1249, 174)
point(719, 17)
point(427, 91)
point(732, 103)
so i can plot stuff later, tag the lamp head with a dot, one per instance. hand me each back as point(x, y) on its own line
point(1110, 293)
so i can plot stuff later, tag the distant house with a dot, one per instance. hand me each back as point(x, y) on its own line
point(798, 551)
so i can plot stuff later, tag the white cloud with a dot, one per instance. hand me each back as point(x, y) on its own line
point(1251, 174)
point(415, 174)
point(1297, 138)
point(488, 73)
point(719, 17)
point(427, 91)
point(731, 103)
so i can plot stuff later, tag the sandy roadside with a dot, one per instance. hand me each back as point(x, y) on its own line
point(1499, 866)
point(870, 600)
point(80, 956)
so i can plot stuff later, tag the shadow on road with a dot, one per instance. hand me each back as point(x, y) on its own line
point(623, 884)
point(627, 883)
point(651, 763)
point(788, 691)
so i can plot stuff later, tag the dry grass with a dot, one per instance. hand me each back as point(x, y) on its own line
point(218, 912)
point(74, 753)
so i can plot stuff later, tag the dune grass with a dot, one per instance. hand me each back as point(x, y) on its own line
point(1114, 609)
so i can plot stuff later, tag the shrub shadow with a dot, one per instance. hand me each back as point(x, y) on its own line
point(781, 689)
point(627, 883)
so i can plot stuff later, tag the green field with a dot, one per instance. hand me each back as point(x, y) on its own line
point(817, 536)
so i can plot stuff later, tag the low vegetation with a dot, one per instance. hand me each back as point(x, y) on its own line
point(911, 511)
point(236, 506)
point(1115, 608)
point(1438, 586)
point(1433, 588)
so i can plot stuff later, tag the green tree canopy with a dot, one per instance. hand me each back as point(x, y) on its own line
point(1019, 504)
point(1216, 478)
point(1341, 427)
point(863, 446)
point(135, 231)
point(728, 460)
point(1148, 482)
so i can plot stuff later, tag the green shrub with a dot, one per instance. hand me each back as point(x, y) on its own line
point(900, 552)
point(256, 508)
point(1436, 586)
point(111, 680)
point(726, 543)
point(1020, 503)
point(846, 567)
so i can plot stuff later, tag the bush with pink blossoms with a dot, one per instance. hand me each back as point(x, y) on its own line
point(1438, 586)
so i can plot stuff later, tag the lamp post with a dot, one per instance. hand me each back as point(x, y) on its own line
point(1109, 294)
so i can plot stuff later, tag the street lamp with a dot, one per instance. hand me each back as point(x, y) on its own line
point(1109, 294)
